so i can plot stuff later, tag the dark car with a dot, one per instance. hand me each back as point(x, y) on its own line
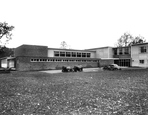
point(78, 68)
point(112, 67)
point(67, 69)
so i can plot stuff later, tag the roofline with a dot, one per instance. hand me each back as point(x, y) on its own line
point(70, 49)
point(30, 45)
point(86, 58)
point(7, 58)
point(140, 44)
point(99, 48)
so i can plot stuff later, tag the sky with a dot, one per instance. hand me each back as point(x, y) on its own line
point(82, 24)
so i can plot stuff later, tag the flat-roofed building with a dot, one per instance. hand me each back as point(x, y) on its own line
point(139, 55)
point(122, 56)
point(105, 54)
point(33, 57)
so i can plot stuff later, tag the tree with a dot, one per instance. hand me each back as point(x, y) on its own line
point(5, 30)
point(127, 40)
point(138, 39)
point(63, 45)
point(124, 40)
point(6, 52)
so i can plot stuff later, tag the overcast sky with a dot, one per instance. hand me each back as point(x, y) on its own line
point(81, 23)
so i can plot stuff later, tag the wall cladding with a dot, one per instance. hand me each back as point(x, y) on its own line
point(31, 50)
point(24, 64)
point(106, 62)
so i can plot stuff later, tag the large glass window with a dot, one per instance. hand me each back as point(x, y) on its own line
point(62, 54)
point(143, 49)
point(78, 54)
point(88, 54)
point(83, 54)
point(126, 51)
point(68, 54)
point(56, 53)
point(115, 51)
point(73, 54)
point(120, 51)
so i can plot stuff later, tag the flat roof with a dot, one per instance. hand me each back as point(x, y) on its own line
point(70, 49)
point(77, 58)
point(99, 48)
point(8, 58)
point(140, 44)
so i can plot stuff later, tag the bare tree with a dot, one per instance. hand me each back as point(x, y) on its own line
point(63, 45)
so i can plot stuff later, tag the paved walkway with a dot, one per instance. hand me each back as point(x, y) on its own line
point(84, 70)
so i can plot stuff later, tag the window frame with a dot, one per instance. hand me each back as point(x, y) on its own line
point(141, 61)
point(143, 49)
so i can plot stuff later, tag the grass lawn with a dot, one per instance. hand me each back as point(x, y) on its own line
point(90, 93)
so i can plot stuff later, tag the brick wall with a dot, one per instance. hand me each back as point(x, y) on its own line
point(24, 64)
point(106, 62)
point(31, 50)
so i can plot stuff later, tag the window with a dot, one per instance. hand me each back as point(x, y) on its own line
point(73, 54)
point(141, 61)
point(120, 51)
point(115, 51)
point(78, 54)
point(62, 54)
point(83, 54)
point(68, 54)
point(88, 54)
point(143, 49)
point(126, 51)
point(56, 53)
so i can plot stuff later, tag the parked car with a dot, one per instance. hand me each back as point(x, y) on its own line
point(112, 67)
point(78, 68)
point(67, 69)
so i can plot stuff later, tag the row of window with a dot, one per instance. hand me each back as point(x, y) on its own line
point(61, 60)
point(126, 51)
point(143, 49)
point(140, 61)
point(71, 54)
point(122, 62)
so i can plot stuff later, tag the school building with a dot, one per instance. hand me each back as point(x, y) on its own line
point(34, 57)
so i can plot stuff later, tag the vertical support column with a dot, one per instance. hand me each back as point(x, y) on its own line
point(7, 61)
point(0, 63)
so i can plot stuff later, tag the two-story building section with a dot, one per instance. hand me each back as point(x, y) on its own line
point(122, 56)
point(105, 54)
point(139, 55)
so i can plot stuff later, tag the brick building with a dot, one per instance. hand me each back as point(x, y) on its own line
point(33, 57)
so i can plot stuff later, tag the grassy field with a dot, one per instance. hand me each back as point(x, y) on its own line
point(90, 93)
